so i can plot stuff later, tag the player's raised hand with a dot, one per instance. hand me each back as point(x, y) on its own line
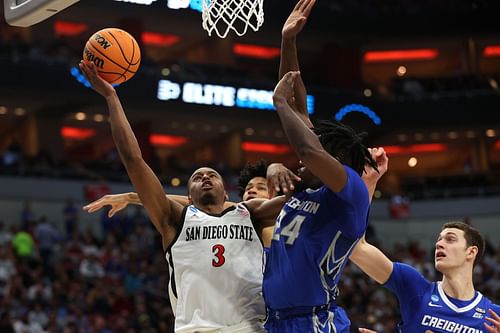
point(281, 178)
point(284, 89)
point(117, 202)
point(99, 84)
point(297, 18)
point(494, 322)
point(366, 330)
point(380, 157)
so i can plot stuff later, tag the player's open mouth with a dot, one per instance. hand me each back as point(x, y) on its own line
point(207, 185)
point(440, 254)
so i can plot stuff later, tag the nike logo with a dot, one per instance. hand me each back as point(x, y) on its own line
point(434, 305)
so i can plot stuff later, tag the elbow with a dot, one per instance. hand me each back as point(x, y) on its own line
point(132, 159)
point(308, 153)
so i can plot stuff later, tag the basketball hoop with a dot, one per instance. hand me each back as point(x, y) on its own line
point(222, 16)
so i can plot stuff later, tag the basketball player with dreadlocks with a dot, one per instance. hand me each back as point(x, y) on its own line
point(319, 225)
point(289, 62)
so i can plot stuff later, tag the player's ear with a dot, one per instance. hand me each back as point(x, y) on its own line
point(226, 196)
point(472, 252)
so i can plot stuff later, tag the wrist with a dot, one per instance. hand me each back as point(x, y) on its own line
point(279, 100)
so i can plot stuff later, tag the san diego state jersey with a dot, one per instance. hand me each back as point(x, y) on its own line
point(216, 271)
point(313, 238)
point(425, 307)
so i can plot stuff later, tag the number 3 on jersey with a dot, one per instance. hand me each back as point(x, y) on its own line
point(218, 250)
point(291, 230)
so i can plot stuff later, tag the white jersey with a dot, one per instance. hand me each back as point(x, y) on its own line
point(216, 272)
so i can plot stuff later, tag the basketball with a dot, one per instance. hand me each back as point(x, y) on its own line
point(115, 54)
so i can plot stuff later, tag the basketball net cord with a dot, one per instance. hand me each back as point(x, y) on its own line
point(223, 16)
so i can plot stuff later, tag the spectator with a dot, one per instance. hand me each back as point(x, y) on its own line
point(5, 235)
point(23, 244)
point(47, 236)
point(70, 215)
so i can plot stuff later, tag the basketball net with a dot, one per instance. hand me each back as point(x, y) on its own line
point(223, 16)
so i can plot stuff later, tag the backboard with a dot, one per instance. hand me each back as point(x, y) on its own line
point(25, 13)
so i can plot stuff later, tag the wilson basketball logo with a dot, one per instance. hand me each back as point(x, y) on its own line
point(102, 41)
point(89, 56)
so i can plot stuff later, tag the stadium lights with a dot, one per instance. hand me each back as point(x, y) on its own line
point(167, 140)
point(262, 147)
point(159, 39)
point(66, 28)
point(400, 55)
point(491, 51)
point(419, 148)
point(77, 133)
point(256, 51)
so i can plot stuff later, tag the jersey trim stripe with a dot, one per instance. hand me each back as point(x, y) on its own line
point(168, 252)
point(172, 273)
point(452, 306)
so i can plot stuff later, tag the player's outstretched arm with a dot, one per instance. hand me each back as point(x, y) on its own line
point(289, 60)
point(120, 201)
point(164, 213)
point(304, 142)
point(372, 261)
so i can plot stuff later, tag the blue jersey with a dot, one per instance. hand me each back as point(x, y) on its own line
point(425, 306)
point(313, 238)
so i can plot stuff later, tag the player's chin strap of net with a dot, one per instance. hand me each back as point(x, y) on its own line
point(223, 16)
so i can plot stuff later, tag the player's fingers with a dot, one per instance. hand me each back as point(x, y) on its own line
point(489, 328)
point(283, 183)
point(300, 5)
point(275, 183)
point(365, 330)
point(493, 321)
point(494, 314)
point(309, 6)
point(289, 181)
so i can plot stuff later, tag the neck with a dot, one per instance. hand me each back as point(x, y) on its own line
point(211, 208)
point(458, 284)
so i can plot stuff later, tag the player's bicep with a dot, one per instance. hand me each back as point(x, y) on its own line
point(161, 210)
point(372, 261)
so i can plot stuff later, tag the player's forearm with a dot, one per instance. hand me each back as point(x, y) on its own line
point(133, 198)
point(300, 137)
point(123, 136)
point(371, 185)
point(289, 61)
point(372, 261)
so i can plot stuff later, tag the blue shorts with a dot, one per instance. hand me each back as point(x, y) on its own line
point(308, 320)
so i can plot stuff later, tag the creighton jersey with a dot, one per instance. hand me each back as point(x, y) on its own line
point(313, 238)
point(424, 305)
point(216, 271)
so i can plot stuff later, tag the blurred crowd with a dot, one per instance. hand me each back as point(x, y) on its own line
point(60, 277)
